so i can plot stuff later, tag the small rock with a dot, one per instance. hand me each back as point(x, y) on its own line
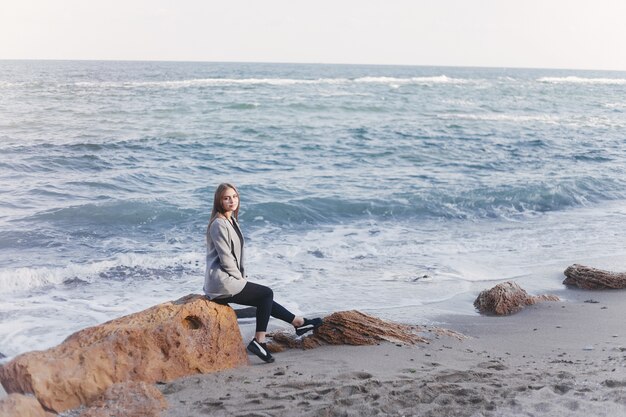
point(588, 347)
point(591, 278)
point(507, 298)
point(422, 278)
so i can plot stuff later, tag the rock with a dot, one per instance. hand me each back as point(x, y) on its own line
point(507, 298)
point(137, 399)
point(592, 279)
point(18, 405)
point(165, 342)
point(348, 328)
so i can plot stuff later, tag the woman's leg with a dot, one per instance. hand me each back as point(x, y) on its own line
point(262, 298)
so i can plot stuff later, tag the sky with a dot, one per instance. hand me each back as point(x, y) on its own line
point(572, 34)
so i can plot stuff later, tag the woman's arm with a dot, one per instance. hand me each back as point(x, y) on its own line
point(220, 236)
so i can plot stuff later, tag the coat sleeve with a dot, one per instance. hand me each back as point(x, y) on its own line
point(220, 237)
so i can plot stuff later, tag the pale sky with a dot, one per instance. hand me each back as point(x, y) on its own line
point(573, 34)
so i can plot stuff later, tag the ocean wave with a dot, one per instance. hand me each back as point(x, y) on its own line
point(582, 80)
point(243, 106)
point(581, 120)
point(496, 201)
point(440, 79)
point(216, 82)
point(119, 268)
point(118, 214)
point(500, 117)
point(208, 82)
point(506, 202)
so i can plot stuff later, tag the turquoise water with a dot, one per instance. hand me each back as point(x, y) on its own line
point(397, 190)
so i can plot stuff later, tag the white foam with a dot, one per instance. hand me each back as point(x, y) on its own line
point(441, 79)
point(615, 105)
point(208, 82)
point(582, 80)
point(460, 102)
point(499, 117)
point(22, 279)
point(17, 279)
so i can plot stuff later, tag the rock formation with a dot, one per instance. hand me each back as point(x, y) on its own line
point(18, 405)
point(507, 298)
point(348, 328)
point(592, 279)
point(136, 399)
point(165, 342)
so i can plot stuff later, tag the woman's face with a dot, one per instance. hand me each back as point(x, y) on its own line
point(230, 200)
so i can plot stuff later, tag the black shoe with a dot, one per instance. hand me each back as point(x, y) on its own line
point(308, 325)
point(260, 349)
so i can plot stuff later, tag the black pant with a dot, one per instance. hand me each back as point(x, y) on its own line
point(262, 298)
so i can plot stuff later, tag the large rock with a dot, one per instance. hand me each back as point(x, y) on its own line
point(592, 279)
point(349, 328)
point(18, 405)
point(136, 399)
point(165, 342)
point(507, 298)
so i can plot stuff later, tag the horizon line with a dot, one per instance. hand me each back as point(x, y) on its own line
point(313, 63)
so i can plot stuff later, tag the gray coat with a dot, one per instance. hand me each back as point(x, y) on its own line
point(224, 274)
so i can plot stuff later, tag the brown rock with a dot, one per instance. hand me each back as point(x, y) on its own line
point(591, 278)
point(349, 328)
point(165, 342)
point(137, 399)
point(507, 298)
point(18, 405)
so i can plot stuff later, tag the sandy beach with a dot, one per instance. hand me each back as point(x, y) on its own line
point(563, 358)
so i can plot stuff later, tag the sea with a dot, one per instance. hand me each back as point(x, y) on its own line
point(400, 191)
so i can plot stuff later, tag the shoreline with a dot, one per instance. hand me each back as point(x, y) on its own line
point(564, 358)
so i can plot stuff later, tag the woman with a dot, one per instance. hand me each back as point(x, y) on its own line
point(225, 279)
